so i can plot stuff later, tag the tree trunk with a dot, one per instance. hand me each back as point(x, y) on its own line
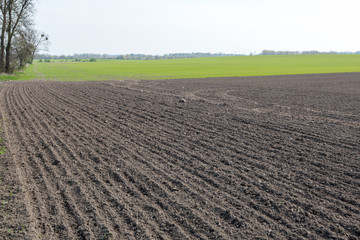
point(2, 48)
point(8, 45)
point(2, 37)
point(7, 58)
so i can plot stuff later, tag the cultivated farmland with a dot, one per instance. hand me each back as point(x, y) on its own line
point(62, 70)
point(221, 158)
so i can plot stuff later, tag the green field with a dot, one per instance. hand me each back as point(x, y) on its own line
point(191, 68)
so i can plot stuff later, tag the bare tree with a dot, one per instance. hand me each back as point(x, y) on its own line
point(18, 11)
point(26, 43)
point(22, 49)
point(37, 41)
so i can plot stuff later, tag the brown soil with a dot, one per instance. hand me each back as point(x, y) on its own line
point(222, 158)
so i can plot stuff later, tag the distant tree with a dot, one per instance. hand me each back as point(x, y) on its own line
point(23, 49)
point(37, 42)
point(268, 52)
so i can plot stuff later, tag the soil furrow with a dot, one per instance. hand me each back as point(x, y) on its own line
point(35, 182)
point(96, 156)
point(241, 158)
point(72, 159)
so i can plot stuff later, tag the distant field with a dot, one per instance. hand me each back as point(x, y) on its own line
point(191, 68)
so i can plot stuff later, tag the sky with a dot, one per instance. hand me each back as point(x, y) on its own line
point(178, 26)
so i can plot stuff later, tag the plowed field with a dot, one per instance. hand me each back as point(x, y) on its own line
point(220, 158)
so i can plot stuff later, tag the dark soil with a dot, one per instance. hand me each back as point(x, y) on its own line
point(222, 158)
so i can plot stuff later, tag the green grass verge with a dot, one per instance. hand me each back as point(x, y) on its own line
point(26, 74)
point(2, 148)
point(192, 68)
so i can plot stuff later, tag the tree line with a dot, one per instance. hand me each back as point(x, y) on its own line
point(272, 52)
point(87, 56)
point(19, 40)
point(133, 56)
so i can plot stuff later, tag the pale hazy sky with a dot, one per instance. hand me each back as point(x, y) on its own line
point(172, 26)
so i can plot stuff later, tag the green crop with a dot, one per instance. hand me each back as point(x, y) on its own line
point(191, 68)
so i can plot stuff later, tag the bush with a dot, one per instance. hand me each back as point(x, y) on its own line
point(92, 59)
